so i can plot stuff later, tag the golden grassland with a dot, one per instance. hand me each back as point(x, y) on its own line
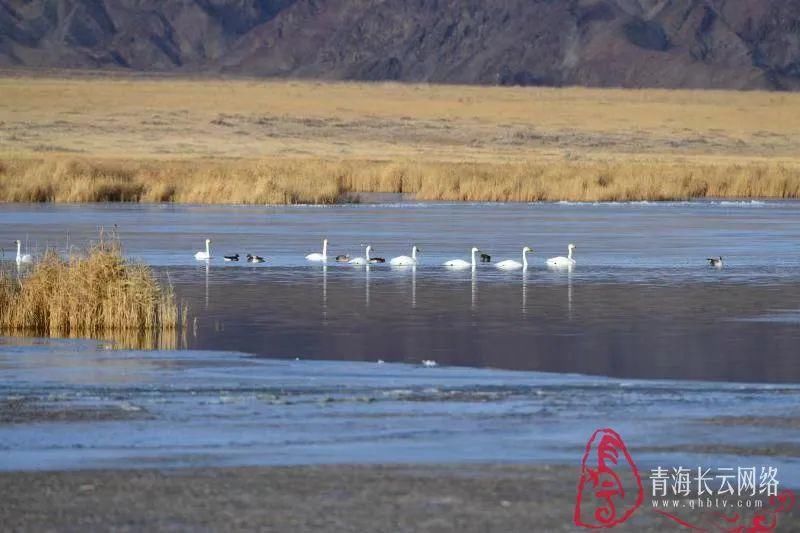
point(248, 141)
point(94, 294)
point(325, 182)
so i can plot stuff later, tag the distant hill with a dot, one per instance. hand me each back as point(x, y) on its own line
point(738, 44)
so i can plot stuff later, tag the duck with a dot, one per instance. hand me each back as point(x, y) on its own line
point(344, 258)
point(715, 262)
point(510, 264)
point(254, 259)
point(404, 260)
point(460, 263)
point(486, 258)
point(234, 257)
point(320, 256)
point(204, 256)
point(561, 261)
point(22, 258)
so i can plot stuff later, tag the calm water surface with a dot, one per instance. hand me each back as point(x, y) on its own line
point(640, 304)
point(641, 336)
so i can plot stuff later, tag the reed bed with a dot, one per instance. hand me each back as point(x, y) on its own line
point(318, 181)
point(95, 294)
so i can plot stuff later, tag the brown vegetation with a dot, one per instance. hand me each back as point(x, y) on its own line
point(53, 179)
point(97, 294)
point(213, 141)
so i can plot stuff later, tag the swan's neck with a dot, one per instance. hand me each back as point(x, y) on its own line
point(473, 258)
point(569, 255)
point(368, 251)
point(19, 249)
point(208, 248)
point(524, 259)
point(414, 253)
point(325, 248)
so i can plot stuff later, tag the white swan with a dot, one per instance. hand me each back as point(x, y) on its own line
point(404, 260)
point(561, 261)
point(204, 256)
point(460, 263)
point(320, 256)
point(510, 264)
point(27, 258)
point(361, 260)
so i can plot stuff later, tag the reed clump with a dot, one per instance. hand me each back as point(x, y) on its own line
point(96, 294)
point(320, 181)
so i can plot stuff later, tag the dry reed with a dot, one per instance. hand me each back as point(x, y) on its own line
point(97, 294)
point(317, 181)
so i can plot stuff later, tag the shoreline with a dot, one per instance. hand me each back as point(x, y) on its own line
point(342, 498)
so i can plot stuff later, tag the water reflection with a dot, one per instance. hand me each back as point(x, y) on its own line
point(366, 284)
point(569, 293)
point(173, 339)
point(525, 291)
point(207, 267)
point(325, 293)
point(413, 286)
point(690, 330)
point(474, 287)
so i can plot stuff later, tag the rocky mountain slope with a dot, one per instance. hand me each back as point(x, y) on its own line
point(635, 43)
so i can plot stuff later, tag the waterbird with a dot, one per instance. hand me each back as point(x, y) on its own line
point(375, 260)
point(429, 363)
point(234, 257)
point(715, 262)
point(510, 264)
point(561, 261)
point(362, 260)
point(320, 256)
point(404, 260)
point(27, 258)
point(460, 263)
point(486, 258)
point(342, 258)
point(254, 259)
point(204, 256)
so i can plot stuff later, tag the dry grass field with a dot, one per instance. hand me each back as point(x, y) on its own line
point(72, 139)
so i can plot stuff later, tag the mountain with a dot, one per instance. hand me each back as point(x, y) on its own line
point(739, 44)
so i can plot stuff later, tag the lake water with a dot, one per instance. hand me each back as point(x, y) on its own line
point(187, 408)
point(641, 335)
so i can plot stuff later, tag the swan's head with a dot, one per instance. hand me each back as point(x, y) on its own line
point(527, 250)
point(208, 241)
point(369, 249)
point(571, 247)
point(17, 243)
point(324, 242)
point(475, 250)
point(416, 249)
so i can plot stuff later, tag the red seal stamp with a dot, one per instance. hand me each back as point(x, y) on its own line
point(610, 488)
